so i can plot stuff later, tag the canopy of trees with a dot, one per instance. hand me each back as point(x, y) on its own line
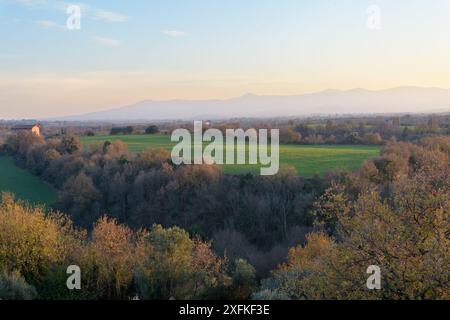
point(152, 129)
point(116, 262)
point(394, 214)
point(121, 130)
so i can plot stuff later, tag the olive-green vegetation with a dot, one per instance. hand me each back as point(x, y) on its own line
point(23, 184)
point(393, 213)
point(308, 160)
point(118, 263)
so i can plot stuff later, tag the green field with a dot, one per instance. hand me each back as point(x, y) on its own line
point(24, 185)
point(308, 160)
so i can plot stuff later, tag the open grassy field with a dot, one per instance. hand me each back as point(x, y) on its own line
point(24, 185)
point(308, 160)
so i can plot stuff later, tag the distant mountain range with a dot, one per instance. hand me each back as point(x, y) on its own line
point(330, 102)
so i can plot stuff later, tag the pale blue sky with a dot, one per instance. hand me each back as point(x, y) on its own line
point(128, 50)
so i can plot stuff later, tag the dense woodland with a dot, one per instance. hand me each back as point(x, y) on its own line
point(141, 227)
point(262, 216)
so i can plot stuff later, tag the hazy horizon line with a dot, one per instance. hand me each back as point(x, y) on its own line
point(410, 87)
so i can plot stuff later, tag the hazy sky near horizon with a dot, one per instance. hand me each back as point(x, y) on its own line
point(132, 50)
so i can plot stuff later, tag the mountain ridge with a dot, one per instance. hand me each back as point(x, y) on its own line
point(406, 99)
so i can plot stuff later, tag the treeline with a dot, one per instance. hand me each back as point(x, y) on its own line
point(313, 136)
point(394, 214)
point(256, 218)
point(121, 130)
point(367, 130)
point(128, 130)
point(36, 249)
point(374, 132)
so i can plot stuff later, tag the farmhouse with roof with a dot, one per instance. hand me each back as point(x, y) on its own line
point(33, 128)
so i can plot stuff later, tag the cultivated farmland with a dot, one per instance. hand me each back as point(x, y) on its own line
point(308, 160)
point(23, 184)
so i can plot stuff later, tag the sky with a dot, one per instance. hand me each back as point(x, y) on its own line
point(132, 50)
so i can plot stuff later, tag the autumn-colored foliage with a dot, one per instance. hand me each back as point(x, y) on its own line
point(398, 220)
point(115, 262)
